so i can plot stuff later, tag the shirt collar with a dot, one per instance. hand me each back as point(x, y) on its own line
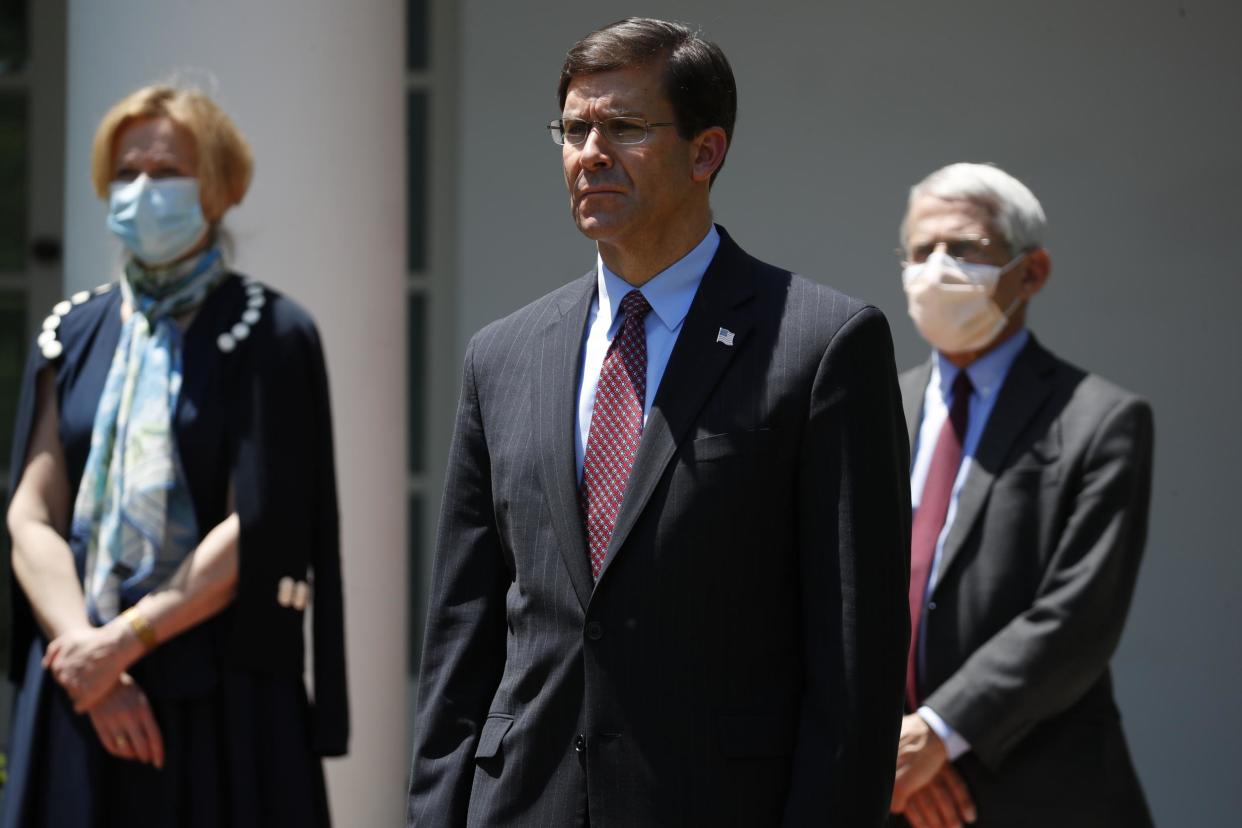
point(986, 373)
point(669, 292)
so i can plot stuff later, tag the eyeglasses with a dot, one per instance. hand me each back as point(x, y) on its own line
point(974, 249)
point(622, 130)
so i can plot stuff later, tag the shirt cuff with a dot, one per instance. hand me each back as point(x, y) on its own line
point(954, 743)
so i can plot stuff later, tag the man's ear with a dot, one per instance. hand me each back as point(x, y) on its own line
point(707, 153)
point(1038, 269)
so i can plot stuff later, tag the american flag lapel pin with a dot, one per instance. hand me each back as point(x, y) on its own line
point(726, 336)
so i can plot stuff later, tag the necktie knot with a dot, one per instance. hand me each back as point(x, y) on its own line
point(962, 386)
point(634, 306)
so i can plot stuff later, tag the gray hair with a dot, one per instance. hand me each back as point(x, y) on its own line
point(1015, 210)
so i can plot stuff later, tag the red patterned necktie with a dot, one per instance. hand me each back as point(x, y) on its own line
point(929, 518)
point(616, 427)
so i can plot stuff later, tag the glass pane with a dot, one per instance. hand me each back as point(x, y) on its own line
point(12, 361)
point(12, 181)
point(14, 43)
point(417, 192)
point(418, 35)
point(417, 329)
point(416, 598)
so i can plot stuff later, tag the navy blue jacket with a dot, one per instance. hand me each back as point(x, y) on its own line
point(279, 441)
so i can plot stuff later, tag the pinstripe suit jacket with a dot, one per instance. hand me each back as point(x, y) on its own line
point(740, 660)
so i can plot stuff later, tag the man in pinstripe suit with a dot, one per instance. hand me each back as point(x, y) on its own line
point(670, 582)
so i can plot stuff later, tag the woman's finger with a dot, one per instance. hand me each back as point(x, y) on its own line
point(142, 747)
point(124, 746)
point(112, 737)
point(117, 743)
point(136, 736)
point(150, 729)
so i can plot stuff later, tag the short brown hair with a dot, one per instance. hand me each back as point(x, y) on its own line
point(224, 161)
point(697, 79)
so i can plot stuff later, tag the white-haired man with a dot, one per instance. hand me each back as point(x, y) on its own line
point(1030, 483)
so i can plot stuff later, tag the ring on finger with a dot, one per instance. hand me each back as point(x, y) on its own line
point(121, 742)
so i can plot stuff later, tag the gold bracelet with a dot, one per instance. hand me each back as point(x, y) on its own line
point(141, 627)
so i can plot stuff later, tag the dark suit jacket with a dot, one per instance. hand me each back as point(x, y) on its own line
point(1032, 592)
point(740, 660)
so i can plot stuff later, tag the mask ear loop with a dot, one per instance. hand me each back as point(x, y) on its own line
point(1014, 305)
point(1009, 265)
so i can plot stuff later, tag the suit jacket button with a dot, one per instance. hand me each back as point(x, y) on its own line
point(594, 631)
point(579, 743)
point(931, 605)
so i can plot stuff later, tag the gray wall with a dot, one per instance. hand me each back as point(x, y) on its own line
point(1124, 119)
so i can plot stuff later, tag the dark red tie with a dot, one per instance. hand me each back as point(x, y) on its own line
point(929, 518)
point(616, 427)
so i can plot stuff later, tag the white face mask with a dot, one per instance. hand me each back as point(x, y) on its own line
point(951, 302)
point(158, 219)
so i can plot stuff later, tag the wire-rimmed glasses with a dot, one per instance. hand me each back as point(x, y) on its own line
point(970, 249)
point(620, 130)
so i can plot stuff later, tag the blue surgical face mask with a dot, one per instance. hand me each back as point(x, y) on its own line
point(158, 220)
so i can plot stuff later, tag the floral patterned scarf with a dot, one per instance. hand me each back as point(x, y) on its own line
point(133, 520)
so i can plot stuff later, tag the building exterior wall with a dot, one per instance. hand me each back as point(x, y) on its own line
point(317, 88)
point(1121, 116)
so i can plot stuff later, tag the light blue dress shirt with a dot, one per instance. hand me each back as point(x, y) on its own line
point(669, 293)
point(987, 375)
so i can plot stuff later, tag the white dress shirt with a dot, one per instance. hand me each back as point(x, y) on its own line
point(987, 375)
point(669, 293)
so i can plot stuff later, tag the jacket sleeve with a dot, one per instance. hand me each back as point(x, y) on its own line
point(464, 648)
point(1046, 658)
point(16, 635)
point(854, 534)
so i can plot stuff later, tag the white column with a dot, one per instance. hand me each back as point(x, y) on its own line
point(316, 87)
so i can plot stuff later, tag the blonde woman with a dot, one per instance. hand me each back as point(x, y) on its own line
point(174, 498)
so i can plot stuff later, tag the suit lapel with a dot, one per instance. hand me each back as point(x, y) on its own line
point(554, 403)
point(913, 389)
point(1026, 387)
point(694, 368)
